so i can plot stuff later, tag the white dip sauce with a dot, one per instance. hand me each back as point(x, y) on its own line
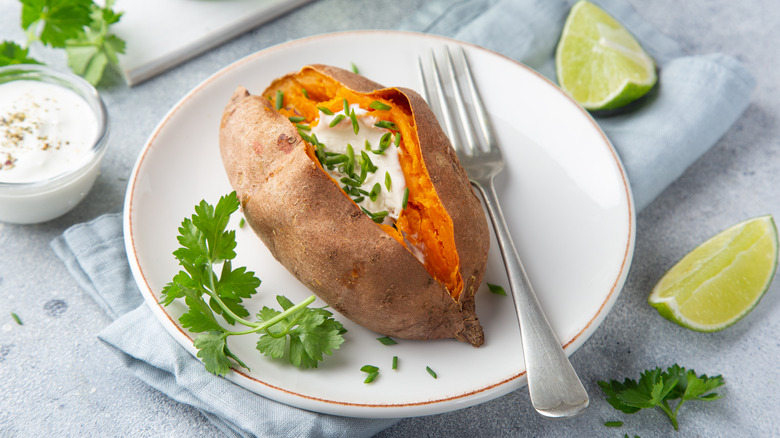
point(45, 130)
point(387, 173)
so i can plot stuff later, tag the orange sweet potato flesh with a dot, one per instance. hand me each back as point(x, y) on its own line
point(364, 270)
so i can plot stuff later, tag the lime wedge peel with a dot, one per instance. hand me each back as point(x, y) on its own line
point(721, 280)
point(599, 63)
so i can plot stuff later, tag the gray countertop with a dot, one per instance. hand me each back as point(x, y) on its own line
point(58, 379)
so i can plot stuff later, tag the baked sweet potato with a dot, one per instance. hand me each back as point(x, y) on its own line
point(412, 274)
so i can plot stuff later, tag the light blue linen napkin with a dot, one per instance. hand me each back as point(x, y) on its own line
point(698, 99)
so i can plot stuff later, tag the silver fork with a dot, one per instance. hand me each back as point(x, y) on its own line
point(554, 387)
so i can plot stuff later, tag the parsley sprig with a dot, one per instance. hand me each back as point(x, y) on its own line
point(657, 388)
point(81, 27)
point(301, 333)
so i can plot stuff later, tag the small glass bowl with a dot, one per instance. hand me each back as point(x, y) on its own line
point(40, 201)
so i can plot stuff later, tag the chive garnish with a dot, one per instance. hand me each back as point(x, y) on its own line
point(384, 142)
point(333, 160)
point(350, 182)
point(355, 69)
point(305, 93)
point(496, 289)
point(351, 160)
point(372, 371)
point(369, 369)
point(613, 423)
point(16, 318)
point(379, 216)
point(395, 362)
point(279, 99)
point(241, 223)
point(431, 372)
point(387, 340)
point(369, 164)
point(337, 120)
point(375, 191)
point(325, 110)
point(406, 197)
point(388, 181)
point(377, 105)
point(346, 107)
point(371, 377)
point(320, 151)
point(386, 124)
point(302, 126)
point(359, 199)
point(368, 145)
point(397, 139)
point(296, 119)
point(353, 118)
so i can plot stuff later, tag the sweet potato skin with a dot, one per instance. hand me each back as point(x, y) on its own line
point(329, 244)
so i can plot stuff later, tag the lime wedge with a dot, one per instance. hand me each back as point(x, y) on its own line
point(720, 281)
point(598, 63)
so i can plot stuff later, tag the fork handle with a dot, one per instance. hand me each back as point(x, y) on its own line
point(554, 387)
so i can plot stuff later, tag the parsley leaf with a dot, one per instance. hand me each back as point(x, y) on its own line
point(12, 53)
point(81, 27)
point(303, 334)
point(656, 388)
point(56, 21)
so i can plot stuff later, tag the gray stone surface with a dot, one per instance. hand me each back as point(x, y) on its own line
point(57, 379)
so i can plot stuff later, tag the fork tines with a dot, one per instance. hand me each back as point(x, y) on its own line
point(447, 92)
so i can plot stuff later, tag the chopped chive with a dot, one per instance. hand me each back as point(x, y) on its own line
point(346, 107)
point(305, 93)
point(368, 145)
point(371, 377)
point(496, 289)
point(369, 164)
point(351, 161)
point(406, 197)
point(431, 372)
point(353, 118)
point(388, 181)
point(302, 126)
point(375, 191)
point(16, 318)
point(384, 142)
point(361, 191)
point(359, 199)
point(369, 369)
point(613, 423)
point(363, 167)
point(350, 182)
point(241, 223)
point(306, 137)
point(337, 120)
point(395, 362)
point(355, 69)
point(387, 340)
point(296, 119)
point(279, 99)
point(377, 105)
point(378, 152)
point(325, 111)
point(379, 216)
point(397, 139)
point(333, 160)
point(386, 124)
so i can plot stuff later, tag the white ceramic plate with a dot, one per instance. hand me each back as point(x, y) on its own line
point(564, 193)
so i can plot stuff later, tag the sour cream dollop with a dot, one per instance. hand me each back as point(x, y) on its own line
point(45, 130)
point(376, 144)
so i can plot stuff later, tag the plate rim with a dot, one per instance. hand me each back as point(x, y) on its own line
point(355, 409)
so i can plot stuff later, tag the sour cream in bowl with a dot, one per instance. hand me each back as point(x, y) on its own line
point(53, 134)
